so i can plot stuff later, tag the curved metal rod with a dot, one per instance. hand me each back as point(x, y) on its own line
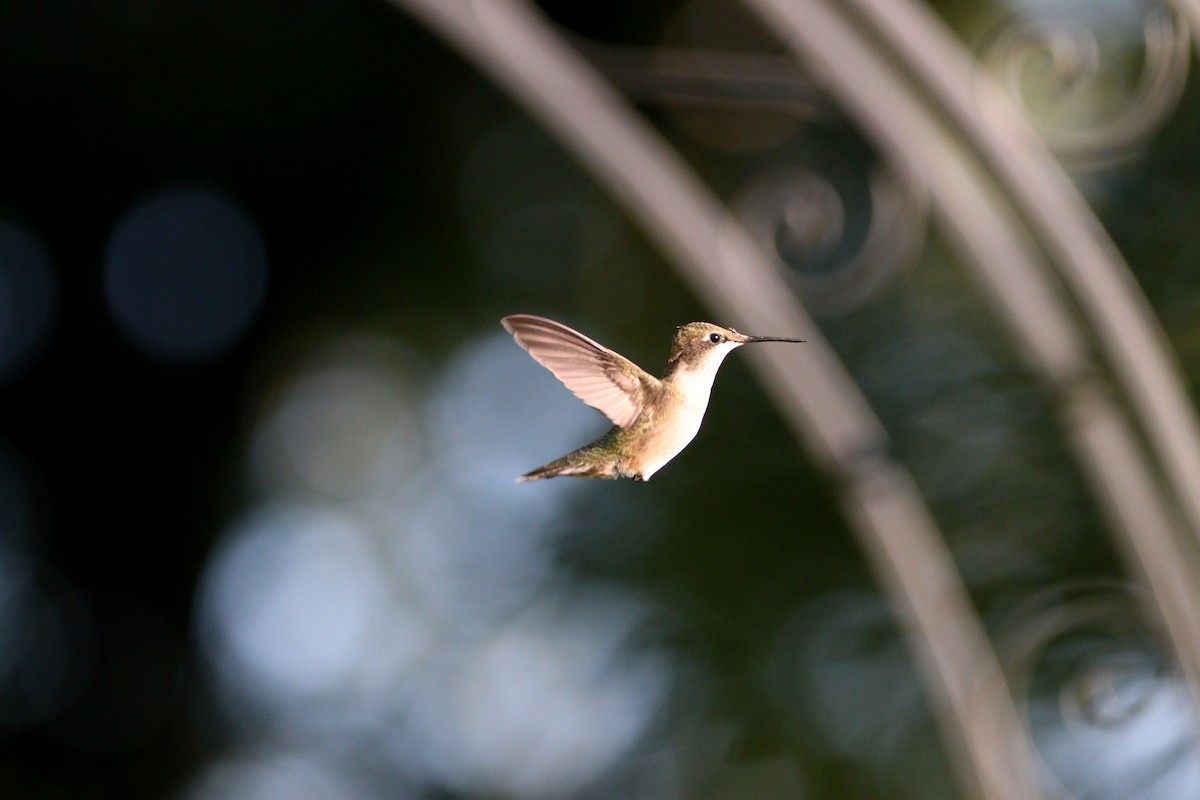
point(818, 399)
point(893, 114)
point(1190, 10)
point(707, 78)
point(1089, 263)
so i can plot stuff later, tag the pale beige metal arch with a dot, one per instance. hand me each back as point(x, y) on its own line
point(989, 178)
point(509, 41)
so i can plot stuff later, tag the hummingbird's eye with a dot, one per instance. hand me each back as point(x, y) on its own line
point(716, 338)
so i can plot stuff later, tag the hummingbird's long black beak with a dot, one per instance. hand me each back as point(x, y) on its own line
point(752, 339)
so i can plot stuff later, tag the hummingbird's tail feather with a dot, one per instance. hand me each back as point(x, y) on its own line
point(600, 459)
point(540, 474)
point(565, 467)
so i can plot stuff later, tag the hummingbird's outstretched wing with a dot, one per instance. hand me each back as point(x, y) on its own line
point(606, 381)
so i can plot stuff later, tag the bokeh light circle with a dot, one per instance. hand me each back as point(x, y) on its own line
point(289, 601)
point(184, 273)
point(275, 775)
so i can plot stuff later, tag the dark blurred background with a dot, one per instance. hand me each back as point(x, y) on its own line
point(258, 532)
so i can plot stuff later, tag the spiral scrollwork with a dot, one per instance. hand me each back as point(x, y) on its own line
point(1083, 662)
point(1094, 89)
point(838, 250)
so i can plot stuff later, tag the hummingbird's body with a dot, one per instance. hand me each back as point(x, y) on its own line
point(654, 419)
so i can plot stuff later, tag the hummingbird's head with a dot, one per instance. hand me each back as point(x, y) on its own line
point(700, 344)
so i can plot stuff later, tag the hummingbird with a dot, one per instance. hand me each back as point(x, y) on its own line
point(653, 418)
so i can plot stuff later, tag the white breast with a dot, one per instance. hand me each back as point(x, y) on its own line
point(674, 434)
point(669, 439)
